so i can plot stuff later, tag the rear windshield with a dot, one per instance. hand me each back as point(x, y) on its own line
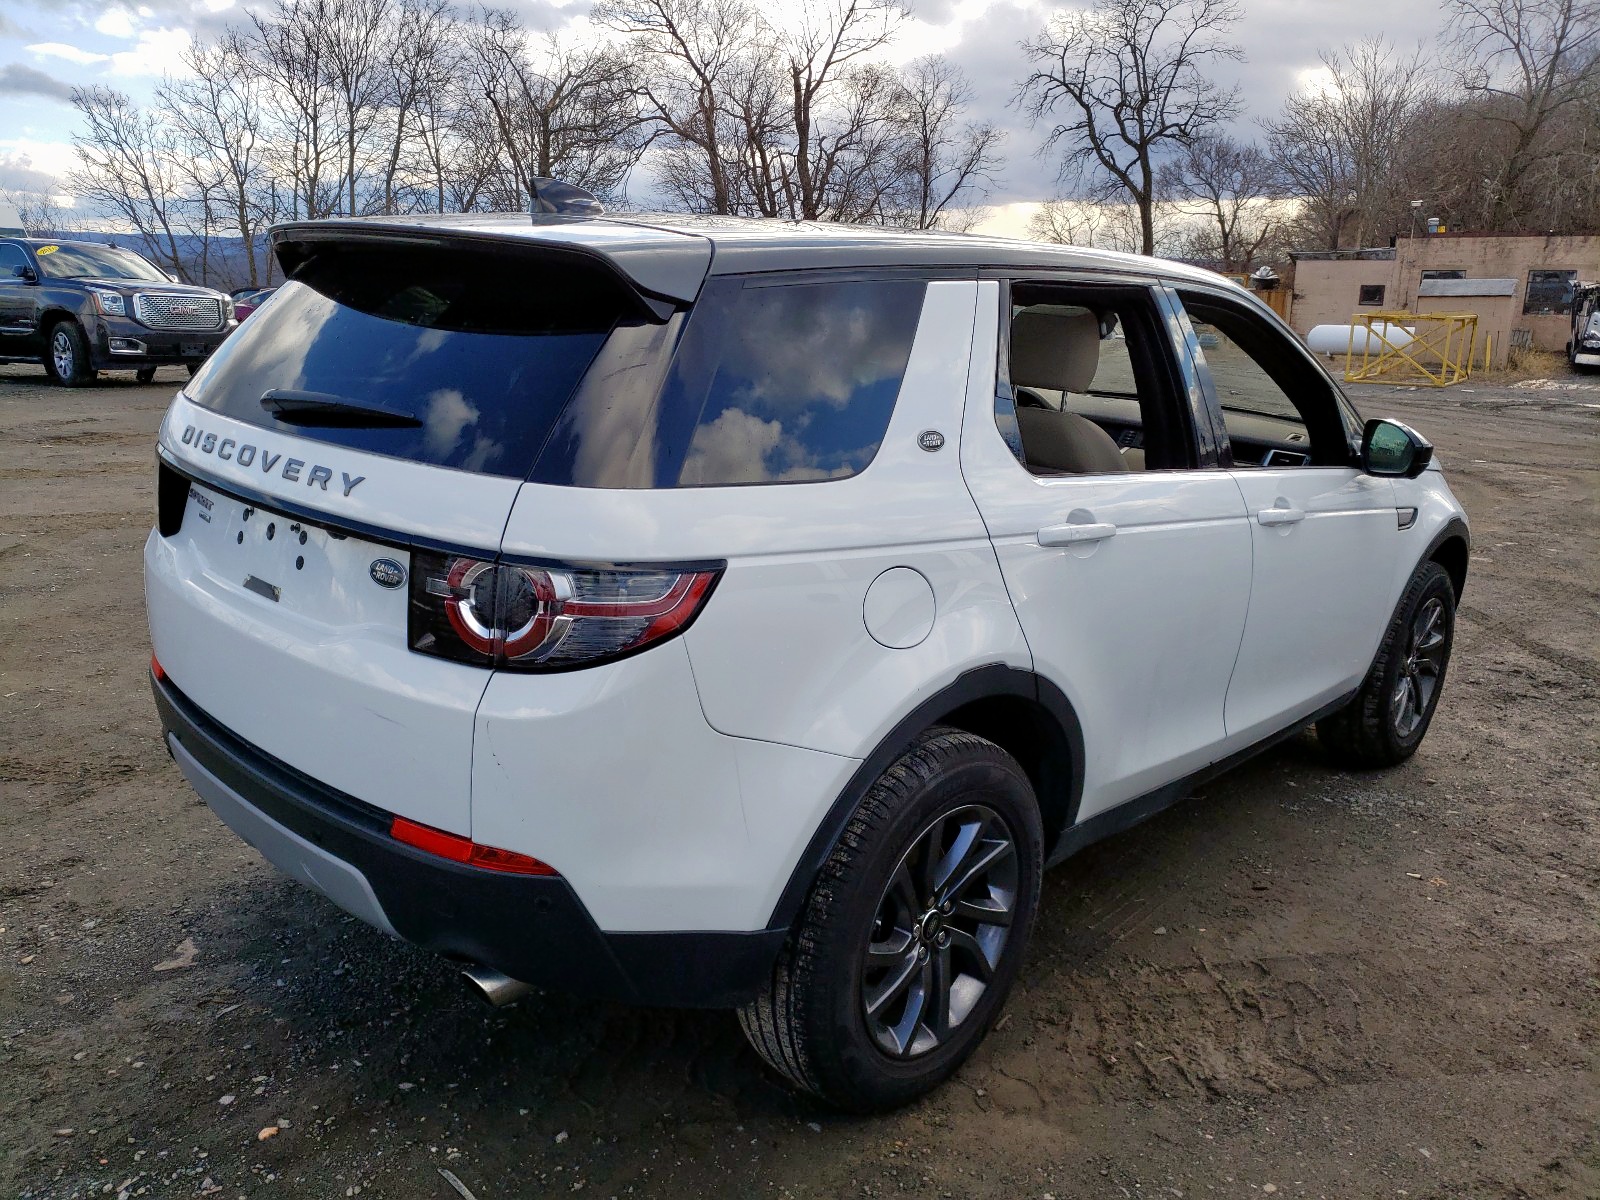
point(553, 372)
point(482, 351)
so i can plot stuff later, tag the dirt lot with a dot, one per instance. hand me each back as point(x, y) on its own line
point(1303, 983)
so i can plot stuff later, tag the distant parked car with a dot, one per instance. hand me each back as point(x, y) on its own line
point(247, 300)
point(80, 308)
point(1583, 349)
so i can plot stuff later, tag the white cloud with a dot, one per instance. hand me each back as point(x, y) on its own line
point(71, 53)
point(1008, 220)
point(52, 158)
point(159, 52)
point(115, 22)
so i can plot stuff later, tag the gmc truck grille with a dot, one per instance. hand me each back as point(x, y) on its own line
point(164, 311)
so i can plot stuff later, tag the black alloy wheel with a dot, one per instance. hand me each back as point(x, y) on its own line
point(1417, 681)
point(1388, 718)
point(913, 932)
point(67, 357)
point(940, 930)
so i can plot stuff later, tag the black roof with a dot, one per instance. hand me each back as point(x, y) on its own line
point(669, 254)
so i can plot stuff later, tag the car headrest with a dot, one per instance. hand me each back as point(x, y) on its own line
point(1059, 351)
point(1064, 441)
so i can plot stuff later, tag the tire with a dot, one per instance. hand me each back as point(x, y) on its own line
point(66, 356)
point(145, 374)
point(811, 1023)
point(1390, 715)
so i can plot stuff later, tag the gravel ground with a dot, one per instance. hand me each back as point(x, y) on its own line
point(1302, 983)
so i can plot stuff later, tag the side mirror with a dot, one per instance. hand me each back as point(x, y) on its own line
point(1390, 448)
point(25, 273)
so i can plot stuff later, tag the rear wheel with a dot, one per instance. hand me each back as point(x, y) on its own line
point(67, 359)
point(914, 931)
point(1389, 716)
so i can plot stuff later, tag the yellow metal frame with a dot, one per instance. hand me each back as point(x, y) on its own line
point(1438, 354)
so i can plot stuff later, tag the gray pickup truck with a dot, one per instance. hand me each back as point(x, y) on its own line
point(80, 308)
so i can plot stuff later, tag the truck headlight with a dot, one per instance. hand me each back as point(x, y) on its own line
point(111, 303)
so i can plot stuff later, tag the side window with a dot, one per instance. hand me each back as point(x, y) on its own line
point(1086, 384)
point(1548, 292)
point(11, 257)
point(1277, 409)
point(791, 382)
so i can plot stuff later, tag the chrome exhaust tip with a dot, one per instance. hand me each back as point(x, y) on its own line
point(493, 987)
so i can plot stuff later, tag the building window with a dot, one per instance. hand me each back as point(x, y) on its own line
point(1444, 274)
point(1549, 292)
point(1371, 294)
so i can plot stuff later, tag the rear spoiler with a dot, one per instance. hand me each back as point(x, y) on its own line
point(663, 269)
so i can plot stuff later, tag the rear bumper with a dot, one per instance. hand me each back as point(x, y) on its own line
point(532, 928)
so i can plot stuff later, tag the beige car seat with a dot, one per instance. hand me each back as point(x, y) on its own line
point(1060, 352)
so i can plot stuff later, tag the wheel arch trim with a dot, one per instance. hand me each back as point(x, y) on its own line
point(995, 681)
point(1454, 561)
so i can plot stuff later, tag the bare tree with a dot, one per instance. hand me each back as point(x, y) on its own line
point(1344, 141)
point(38, 212)
point(128, 165)
point(561, 110)
point(686, 53)
point(421, 62)
point(826, 38)
point(1124, 82)
point(309, 108)
point(1070, 221)
point(216, 110)
point(289, 52)
point(355, 38)
point(1231, 189)
point(1528, 61)
point(944, 159)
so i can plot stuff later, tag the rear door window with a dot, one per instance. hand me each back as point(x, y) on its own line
point(775, 380)
point(481, 351)
point(794, 382)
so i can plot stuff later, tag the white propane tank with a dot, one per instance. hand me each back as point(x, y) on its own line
point(1336, 339)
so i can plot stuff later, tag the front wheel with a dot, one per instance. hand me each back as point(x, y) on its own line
point(68, 359)
point(1385, 723)
point(145, 374)
point(914, 931)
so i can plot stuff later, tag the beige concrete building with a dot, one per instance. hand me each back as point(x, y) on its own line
point(1516, 284)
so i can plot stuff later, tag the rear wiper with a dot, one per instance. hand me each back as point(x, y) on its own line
point(319, 408)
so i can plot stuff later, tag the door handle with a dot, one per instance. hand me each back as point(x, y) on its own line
point(1073, 535)
point(1281, 516)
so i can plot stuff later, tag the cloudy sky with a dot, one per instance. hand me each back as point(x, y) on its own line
point(48, 46)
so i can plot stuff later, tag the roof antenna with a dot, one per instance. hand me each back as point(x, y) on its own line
point(557, 196)
point(546, 195)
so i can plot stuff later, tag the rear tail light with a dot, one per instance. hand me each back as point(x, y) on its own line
point(537, 618)
point(464, 850)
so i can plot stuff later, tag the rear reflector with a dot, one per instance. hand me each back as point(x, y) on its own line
point(462, 850)
point(155, 669)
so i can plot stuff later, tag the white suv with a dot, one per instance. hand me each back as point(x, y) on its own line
point(743, 614)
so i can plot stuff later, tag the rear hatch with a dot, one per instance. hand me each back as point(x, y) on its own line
point(383, 410)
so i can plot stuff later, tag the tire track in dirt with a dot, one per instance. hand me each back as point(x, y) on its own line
point(1570, 660)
